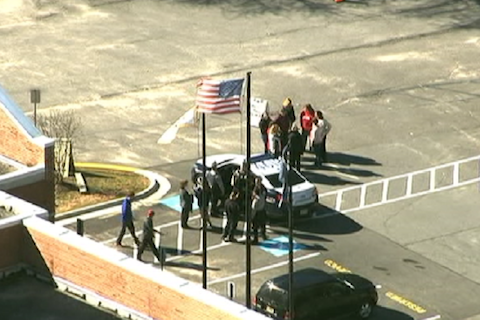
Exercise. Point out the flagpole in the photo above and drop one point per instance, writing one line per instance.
(248, 206)
(204, 205)
(290, 242)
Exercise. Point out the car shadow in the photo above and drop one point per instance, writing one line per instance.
(325, 220)
(320, 178)
(381, 313)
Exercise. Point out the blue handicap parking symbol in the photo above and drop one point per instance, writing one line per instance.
(174, 203)
(279, 246)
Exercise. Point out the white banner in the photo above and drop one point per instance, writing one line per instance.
(257, 108)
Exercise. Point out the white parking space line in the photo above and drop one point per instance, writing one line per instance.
(433, 318)
(159, 227)
(339, 198)
(217, 246)
(408, 192)
(179, 239)
(266, 268)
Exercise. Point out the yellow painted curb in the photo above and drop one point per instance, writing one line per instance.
(105, 166)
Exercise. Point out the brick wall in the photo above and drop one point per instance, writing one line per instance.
(113, 275)
(10, 245)
(16, 144)
(38, 193)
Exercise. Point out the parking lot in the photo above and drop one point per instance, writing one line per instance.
(395, 238)
(398, 80)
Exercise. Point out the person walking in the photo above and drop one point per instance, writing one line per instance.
(232, 208)
(147, 237)
(186, 202)
(296, 148)
(321, 128)
(264, 124)
(306, 121)
(203, 206)
(127, 220)
(259, 214)
(217, 189)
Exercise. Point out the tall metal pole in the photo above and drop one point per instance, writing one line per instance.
(248, 206)
(35, 113)
(290, 244)
(204, 221)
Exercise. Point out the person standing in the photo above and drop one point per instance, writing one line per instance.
(186, 202)
(232, 208)
(203, 206)
(242, 179)
(295, 144)
(321, 128)
(284, 122)
(147, 237)
(264, 124)
(275, 138)
(127, 220)
(327, 127)
(306, 121)
(259, 214)
(289, 111)
(217, 189)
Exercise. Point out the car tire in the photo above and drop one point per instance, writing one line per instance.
(195, 177)
(365, 310)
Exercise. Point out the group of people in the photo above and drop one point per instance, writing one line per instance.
(231, 197)
(281, 135)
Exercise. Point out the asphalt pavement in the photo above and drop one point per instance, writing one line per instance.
(398, 80)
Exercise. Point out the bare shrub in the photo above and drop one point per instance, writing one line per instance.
(65, 127)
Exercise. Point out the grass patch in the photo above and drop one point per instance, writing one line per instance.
(103, 185)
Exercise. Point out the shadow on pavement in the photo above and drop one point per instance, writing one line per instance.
(349, 159)
(320, 178)
(300, 235)
(381, 312)
(328, 221)
(188, 265)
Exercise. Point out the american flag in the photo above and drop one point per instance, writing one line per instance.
(219, 96)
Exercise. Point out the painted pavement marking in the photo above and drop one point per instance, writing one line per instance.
(266, 268)
(280, 246)
(392, 296)
(173, 202)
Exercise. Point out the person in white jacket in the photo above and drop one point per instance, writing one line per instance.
(321, 128)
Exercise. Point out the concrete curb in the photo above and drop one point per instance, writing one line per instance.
(158, 184)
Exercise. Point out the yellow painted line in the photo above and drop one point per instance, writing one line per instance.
(335, 266)
(105, 166)
(395, 297)
(405, 302)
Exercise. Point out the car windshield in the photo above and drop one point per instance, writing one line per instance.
(293, 177)
(271, 294)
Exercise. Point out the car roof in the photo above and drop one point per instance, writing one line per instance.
(303, 278)
(256, 160)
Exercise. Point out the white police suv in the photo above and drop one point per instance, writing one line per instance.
(304, 193)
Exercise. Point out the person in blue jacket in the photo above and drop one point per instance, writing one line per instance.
(127, 220)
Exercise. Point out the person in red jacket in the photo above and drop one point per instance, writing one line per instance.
(306, 121)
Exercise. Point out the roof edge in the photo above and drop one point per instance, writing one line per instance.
(18, 114)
